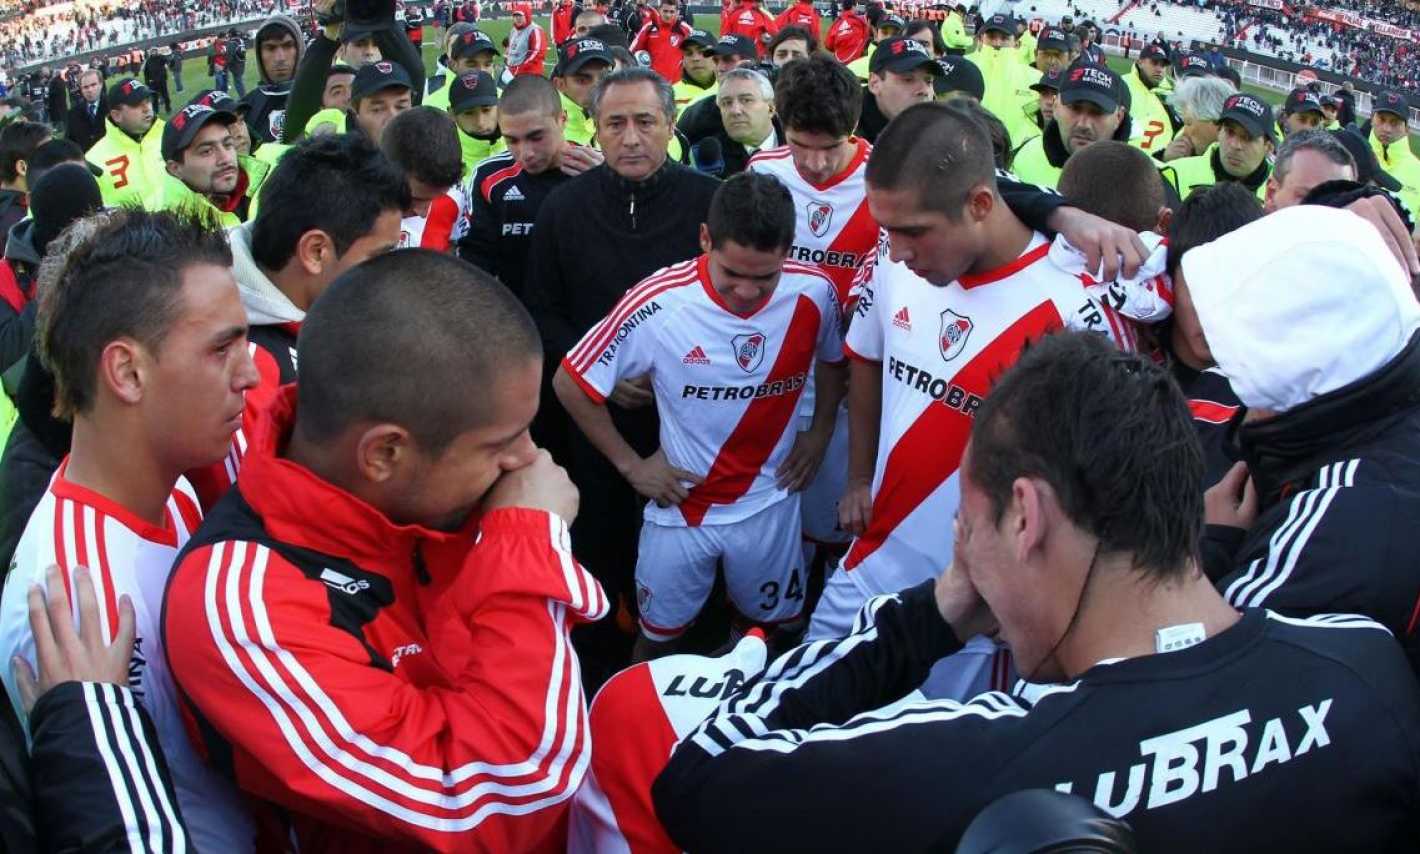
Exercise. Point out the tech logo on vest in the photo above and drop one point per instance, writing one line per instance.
(955, 331)
(749, 351)
(820, 217)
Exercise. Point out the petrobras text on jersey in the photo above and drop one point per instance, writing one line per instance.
(788, 385)
(1176, 769)
(938, 388)
(824, 257)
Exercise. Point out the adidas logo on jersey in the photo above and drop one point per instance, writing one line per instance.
(696, 357)
(513, 194)
(342, 582)
(902, 320)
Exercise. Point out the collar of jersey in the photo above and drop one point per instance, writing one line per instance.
(1213, 653)
(858, 156)
(1032, 254)
(164, 535)
(702, 270)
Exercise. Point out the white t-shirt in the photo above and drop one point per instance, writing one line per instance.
(941, 348)
(73, 526)
(726, 384)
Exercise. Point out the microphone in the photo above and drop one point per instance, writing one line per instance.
(707, 157)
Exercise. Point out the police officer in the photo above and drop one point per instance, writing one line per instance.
(1245, 140)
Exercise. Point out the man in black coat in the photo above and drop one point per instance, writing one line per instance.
(597, 236)
(85, 122)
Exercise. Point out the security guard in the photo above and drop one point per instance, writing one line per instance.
(203, 176)
(1242, 152)
(583, 62)
(130, 151)
(697, 71)
(473, 102)
(1153, 123)
(472, 51)
(1008, 78)
(1091, 107)
(1390, 140)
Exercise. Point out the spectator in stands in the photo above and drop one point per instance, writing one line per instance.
(1390, 140)
(1198, 101)
(84, 124)
(1304, 160)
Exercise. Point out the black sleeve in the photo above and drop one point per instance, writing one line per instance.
(88, 795)
(395, 46)
(700, 120)
(1220, 548)
(547, 286)
(755, 756)
(1031, 204)
(478, 244)
(307, 87)
(17, 330)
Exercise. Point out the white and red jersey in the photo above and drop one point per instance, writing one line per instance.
(833, 229)
(444, 225)
(126, 556)
(941, 348)
(726, 384)
(635, 720)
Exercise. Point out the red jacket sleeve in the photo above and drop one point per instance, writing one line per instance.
(483, 758)
(537, 54)
(639, 43)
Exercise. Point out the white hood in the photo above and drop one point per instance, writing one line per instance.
(264, 302)
(1300, 303)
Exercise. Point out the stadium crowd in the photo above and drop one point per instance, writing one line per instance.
(842, 433)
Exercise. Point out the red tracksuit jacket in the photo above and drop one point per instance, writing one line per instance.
(748, 19)
(848, 37)
(663, 43)
(376, 687)
(801, 14)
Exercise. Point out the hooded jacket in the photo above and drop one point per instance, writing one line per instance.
(527, 45)
(267, 101)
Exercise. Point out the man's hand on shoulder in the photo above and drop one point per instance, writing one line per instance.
(539, 485)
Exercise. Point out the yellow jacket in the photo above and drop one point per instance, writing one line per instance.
(954, 32)
(476, 150)
(687, 93)
(1149, 119)
(1401, 163)
(332, 116)
(581, 128)
(1033, 167)
(1008, 92)
(133, 169)
(1188, 173)
(173, 195)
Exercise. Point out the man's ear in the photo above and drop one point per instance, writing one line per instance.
(381, 450)
(315, 252)
(123, 369)
(1163, 221)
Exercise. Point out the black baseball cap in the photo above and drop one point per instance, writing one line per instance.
(578, 52)
(902, 55)
(219, 100)
(1093, 83)
(1302, 101)
(472, 89)
(959, 75)
(1049, 80)
(471, 43)
(182, 128)
(377, 77)
(128, 92)
(734, 45)
(1001, 23)
(1155, 52)
(1052, 38)
(891, 21)
(1391, 101)
(1192, 65)
(1368, 169)
(1254, 115)
(699, 37)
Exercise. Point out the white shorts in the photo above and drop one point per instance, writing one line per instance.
(819, 500)
(837, 607)
(764, 569)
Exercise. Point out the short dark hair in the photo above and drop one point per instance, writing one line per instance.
(754, 210)
(1206, 215)
(1115, 181)
(425, 143)
(818, 95)
(789, 34)
(454, 333)
(18, 141)
(1002, 152)
(125, 281)
(939, 45)
(300, 195)
(530, 93)
(941, 150)
(50, 154)
(1111, 433)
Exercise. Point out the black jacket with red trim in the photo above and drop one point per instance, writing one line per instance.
(504, 200)
(377, 687)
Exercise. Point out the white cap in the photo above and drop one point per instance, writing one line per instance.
(1300, 303)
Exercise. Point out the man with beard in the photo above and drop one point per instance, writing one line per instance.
(279, 45)
(203, 177)
(1090, 108)
(1245, 140)
(130, 152)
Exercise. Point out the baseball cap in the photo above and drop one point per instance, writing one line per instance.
(1001, 23)
(1052, 38)
(959, 75)
(458, 29)
(1254, 115)
(892, 21)
(472, 89)
(1155, 52)
(182, 128)
(471, 44)
(578, 52)
(1192, 65)
(1391, 101)
(128, 92)
(1268, 302)
(699, 37)
(901, 55)
(1302, 101)
(734, 45)
(219, 100)
(1368, 169)
(1093, 83)
(1330, 101)
(1049, 80)
(378, 76)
